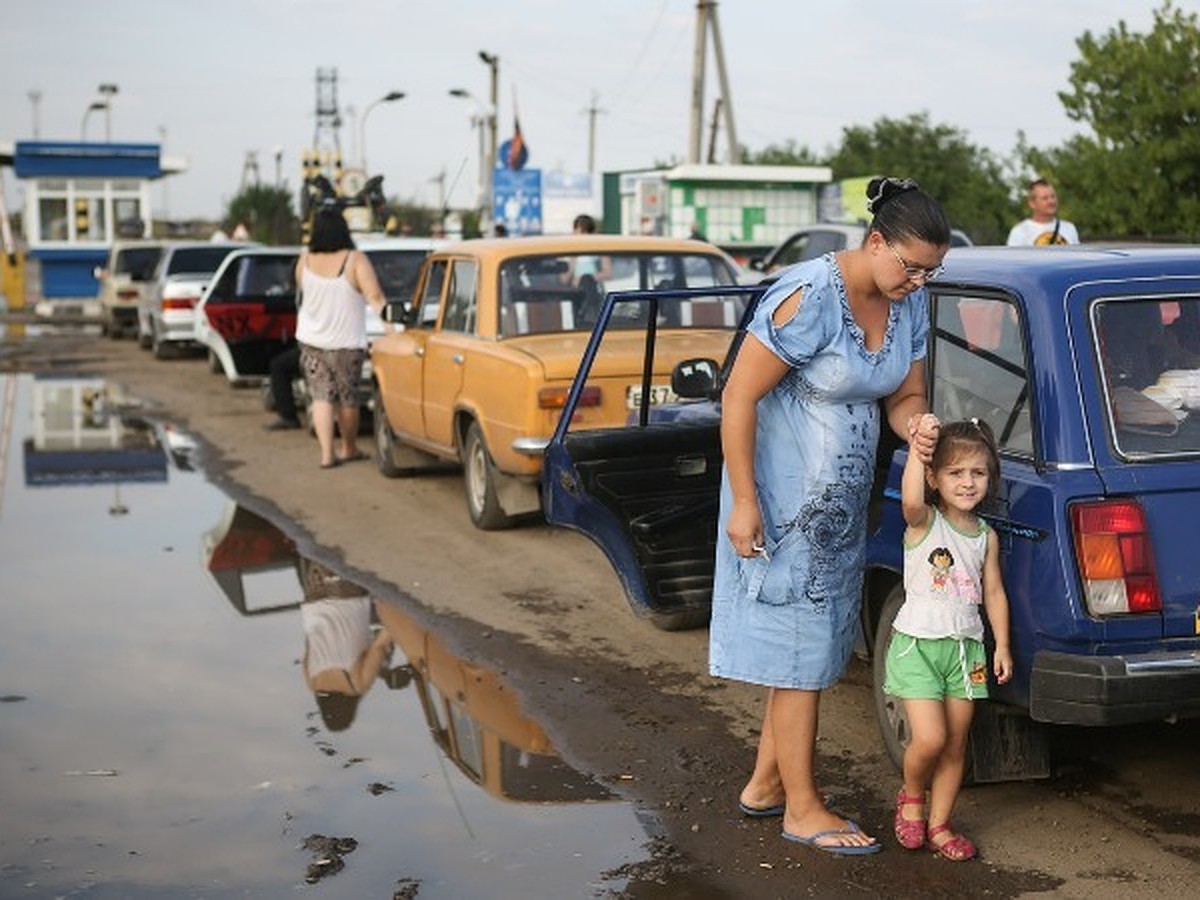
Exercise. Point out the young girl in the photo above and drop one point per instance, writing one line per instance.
(936, 661)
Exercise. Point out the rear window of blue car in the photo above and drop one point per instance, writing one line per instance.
(1149, 355)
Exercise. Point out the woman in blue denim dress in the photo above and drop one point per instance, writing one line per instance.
(800, 424)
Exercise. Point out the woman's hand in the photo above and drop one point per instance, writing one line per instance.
(745, 528)
(923, 435)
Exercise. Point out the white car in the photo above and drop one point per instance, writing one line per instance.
(816, 240)
(247, 313)
(166, 319)
(123, 282)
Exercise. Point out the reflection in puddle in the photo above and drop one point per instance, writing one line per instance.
(242, 699)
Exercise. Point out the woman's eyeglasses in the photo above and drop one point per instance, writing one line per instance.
(911, 272)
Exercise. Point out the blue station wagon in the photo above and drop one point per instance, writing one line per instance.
(1086, 363)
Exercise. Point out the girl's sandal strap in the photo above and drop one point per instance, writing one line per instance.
(956, 848)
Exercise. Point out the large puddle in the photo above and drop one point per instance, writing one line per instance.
(193, 708)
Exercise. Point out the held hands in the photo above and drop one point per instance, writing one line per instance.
(923, 435)
(1002, 665)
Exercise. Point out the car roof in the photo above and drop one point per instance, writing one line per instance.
(503, 248)
(390, 242)
(1055, 270)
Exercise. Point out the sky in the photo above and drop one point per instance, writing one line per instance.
(214, 81)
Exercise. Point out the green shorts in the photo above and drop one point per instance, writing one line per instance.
(935, 668)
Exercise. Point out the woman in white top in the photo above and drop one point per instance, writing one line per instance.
(336, 283)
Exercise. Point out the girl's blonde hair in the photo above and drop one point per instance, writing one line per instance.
(966, 436)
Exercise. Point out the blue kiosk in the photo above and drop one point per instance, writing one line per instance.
(79, 198)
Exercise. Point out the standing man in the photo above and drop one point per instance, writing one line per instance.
(1043, 228)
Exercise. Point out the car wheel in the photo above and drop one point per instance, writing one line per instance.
(385, 442)
(479, 482)
(160, 348)
(214, 362)
(144, 339)
(681, 621)
(889, 709)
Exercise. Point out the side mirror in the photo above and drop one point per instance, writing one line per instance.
(695, 379)
(397, 312)
(757, 263)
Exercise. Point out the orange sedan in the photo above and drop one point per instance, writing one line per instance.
(479, 371)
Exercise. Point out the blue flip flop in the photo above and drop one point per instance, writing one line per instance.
(836, 849)
(761, 812)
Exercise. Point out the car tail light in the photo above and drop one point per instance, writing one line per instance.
(556, 398)
(179, 302)
(128, 294)
(1115, 559)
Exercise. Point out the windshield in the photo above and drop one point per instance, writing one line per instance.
(1149, 351)
(547, 294)
(138, 262)
(397, 271)
(197, 259)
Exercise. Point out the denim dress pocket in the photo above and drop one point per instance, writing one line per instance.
(768, 579)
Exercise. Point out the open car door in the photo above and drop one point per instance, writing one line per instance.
(647, 493)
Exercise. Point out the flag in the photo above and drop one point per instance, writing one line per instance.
(518, 153)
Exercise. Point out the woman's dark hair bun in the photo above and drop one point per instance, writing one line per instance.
(881, 190)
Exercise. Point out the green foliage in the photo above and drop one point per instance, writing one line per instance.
(967, 180)
(1138, 173)
(787, 154)
(266, 211)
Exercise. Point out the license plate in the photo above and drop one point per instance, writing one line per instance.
(659, 394)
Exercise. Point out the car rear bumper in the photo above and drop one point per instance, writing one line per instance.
(1067, 689)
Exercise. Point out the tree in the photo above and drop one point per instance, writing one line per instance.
(1138, 173)
(967, 180)
(787, 154)
(266, 212)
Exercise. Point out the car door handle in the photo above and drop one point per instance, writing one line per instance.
(459, 359)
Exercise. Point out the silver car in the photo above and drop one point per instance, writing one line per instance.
(167, 311)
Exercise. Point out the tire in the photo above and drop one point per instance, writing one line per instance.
(144, 339)
(889, 710)
(479, 482)
(214, 362)
(681, 621)
(385, 442)
(161, 349)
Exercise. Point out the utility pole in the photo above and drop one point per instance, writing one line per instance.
(706, 17)
(249, 171)
(492, 61)
(712, 132)
(592, 111)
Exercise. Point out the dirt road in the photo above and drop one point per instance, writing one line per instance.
(635, 705)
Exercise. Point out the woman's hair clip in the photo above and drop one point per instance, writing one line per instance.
(975, 421)
(881, 190)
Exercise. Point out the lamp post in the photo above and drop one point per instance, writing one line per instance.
(108, 91)
(95, 105)
(389, 97)
(481, 118)
(492, 61)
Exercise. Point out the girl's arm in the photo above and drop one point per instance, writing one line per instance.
(754, 373)
(995, 603)
(912, 482)
(371, 661)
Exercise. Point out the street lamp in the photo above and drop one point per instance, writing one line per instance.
(481, 119)
(492, 61)
(108, 91)
(362, 124)
(96, 104)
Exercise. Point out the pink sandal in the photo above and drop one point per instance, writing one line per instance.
(909, 832)
(956, 848)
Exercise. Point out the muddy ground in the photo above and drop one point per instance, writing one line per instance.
(636, 707)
